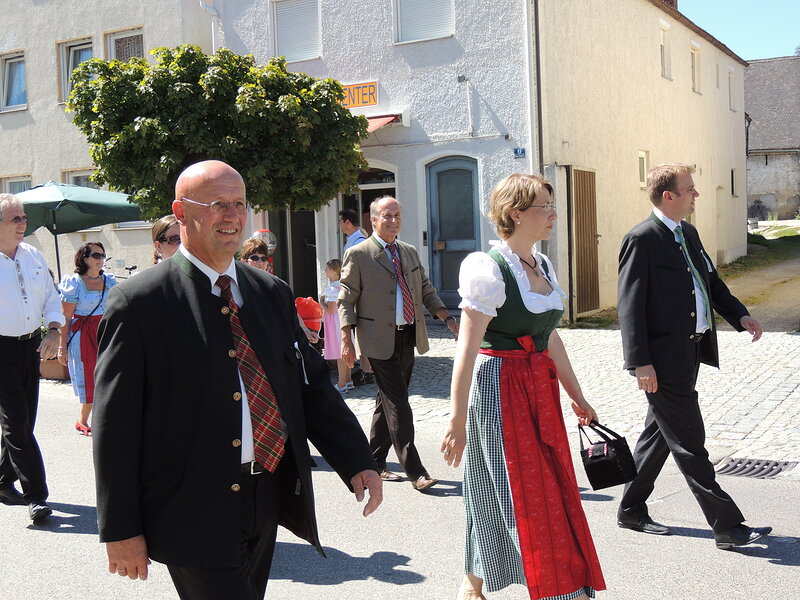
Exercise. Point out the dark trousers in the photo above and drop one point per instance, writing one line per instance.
(261, 505)
(393, 421)
(20, 457)
(674, 424)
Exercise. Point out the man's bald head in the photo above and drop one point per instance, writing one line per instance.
(201, 173)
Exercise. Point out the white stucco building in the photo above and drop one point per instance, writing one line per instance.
(460, 94)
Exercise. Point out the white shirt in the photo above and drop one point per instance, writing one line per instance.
(248, 454)
(353, 239)
(28, 295)
(398, 292)
(481, 285)
(699, 301)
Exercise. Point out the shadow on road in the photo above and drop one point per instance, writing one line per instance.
(78, 519)
(301, 563)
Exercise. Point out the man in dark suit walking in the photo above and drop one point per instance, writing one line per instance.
(383, 297)
(668, 292)
(206, 394)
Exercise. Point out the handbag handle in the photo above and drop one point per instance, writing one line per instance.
(604, 432)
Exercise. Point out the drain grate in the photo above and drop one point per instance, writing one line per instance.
(754, 467)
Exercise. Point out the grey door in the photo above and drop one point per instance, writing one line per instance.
(454, 221)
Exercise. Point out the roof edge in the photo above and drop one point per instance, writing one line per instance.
(680, 17)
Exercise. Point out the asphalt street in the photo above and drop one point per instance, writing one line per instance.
(413, 546)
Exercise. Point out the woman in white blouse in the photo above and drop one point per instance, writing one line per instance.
(525, 523)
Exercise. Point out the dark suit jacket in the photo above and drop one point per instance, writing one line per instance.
(656, 303)
(368, 297)
(167, 417)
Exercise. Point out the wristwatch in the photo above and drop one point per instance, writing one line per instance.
(58, 329)
(448, 318)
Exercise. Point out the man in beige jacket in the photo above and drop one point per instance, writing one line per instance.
(384, 291)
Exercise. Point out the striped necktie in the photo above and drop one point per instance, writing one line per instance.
(268, 439)
(695, 273)
(408, 303)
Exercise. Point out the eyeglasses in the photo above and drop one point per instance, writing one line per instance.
(97, 255)
(172, 240)
(258, 257)
(17, 220)
(217, 206)
(548, 206)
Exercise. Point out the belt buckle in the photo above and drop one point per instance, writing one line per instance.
(256, 468)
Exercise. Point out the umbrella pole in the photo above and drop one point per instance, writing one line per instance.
(58, 256)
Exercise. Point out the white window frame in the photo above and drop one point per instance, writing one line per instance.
(697, 75)
(66, 52)
(116, 35)
(448, 29)
(664, 49)
(5, 61)
(7, 181)
(313, 53)
(643, 165)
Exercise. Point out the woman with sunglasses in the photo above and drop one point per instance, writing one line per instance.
(166, 238)
(83, 299)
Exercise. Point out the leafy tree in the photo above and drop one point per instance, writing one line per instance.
(287, 133)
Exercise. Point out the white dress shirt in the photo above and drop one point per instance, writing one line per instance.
(699, 300)
(28, 295)
(398, 292)
(248, 454)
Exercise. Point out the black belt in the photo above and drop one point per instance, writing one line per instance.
(697, 337)
(253, 468)
(404, 326)
(20, 338)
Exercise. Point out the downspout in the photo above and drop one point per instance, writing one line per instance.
(214, 23)
(534, 67)
(531, 79)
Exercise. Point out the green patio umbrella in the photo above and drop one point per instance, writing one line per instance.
(64, 208)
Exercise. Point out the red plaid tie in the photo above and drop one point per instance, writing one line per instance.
(267, 433)
(408, 303)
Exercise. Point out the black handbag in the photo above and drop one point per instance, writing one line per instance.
(608, 462)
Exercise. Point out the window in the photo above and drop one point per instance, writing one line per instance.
(695, 61)
(733, 182)
(15, 185)
(717, 75)
(666, 63)
(731, 91)
(12, 84)
(297, 29)
(423, 19)
(72, 54)
(81, 178)
(125, 45)
(644, 159)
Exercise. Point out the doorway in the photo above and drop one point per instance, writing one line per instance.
(372, 184)
(295, 260)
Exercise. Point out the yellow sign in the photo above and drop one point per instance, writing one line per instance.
(357, 95)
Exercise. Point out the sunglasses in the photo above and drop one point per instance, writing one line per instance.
(173, 240)
(97, 255)
(258, 257)
(17, 220)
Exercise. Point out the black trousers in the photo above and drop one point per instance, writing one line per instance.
(261, 505)
(20, 457)
(393, 421)
(674, 425)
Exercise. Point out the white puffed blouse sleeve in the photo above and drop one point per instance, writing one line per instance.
(480, 284)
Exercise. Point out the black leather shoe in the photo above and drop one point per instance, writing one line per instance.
(741, 535)
(39, 511)
(11, 497)
(644, 524)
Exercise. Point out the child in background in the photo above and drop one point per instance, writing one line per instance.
(330, 325)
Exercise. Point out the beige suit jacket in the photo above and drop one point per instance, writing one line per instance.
(368, 297)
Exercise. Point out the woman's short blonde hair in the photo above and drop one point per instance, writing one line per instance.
(516, 192)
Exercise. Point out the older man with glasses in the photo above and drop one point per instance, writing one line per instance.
(29, 299)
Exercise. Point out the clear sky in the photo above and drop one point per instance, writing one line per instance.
(751, 28)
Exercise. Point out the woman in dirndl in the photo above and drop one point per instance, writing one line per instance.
(525, 522)
(83, 299)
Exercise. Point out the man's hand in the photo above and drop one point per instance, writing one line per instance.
(452, 325)
(752, 326)
(646, 378)
(49, 346)
(371, 481)
(311, 335)
(128, 557)
(348, 351)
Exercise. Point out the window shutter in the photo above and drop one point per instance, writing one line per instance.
(297, 29)
(424, 19)
(128, 47)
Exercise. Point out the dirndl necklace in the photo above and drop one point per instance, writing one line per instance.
(535, 272)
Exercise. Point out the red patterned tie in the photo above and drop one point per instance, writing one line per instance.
(408, 303)
(268, 437)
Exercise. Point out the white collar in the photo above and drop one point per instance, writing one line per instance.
(381, 241)
(208, 271)
(665, 219)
